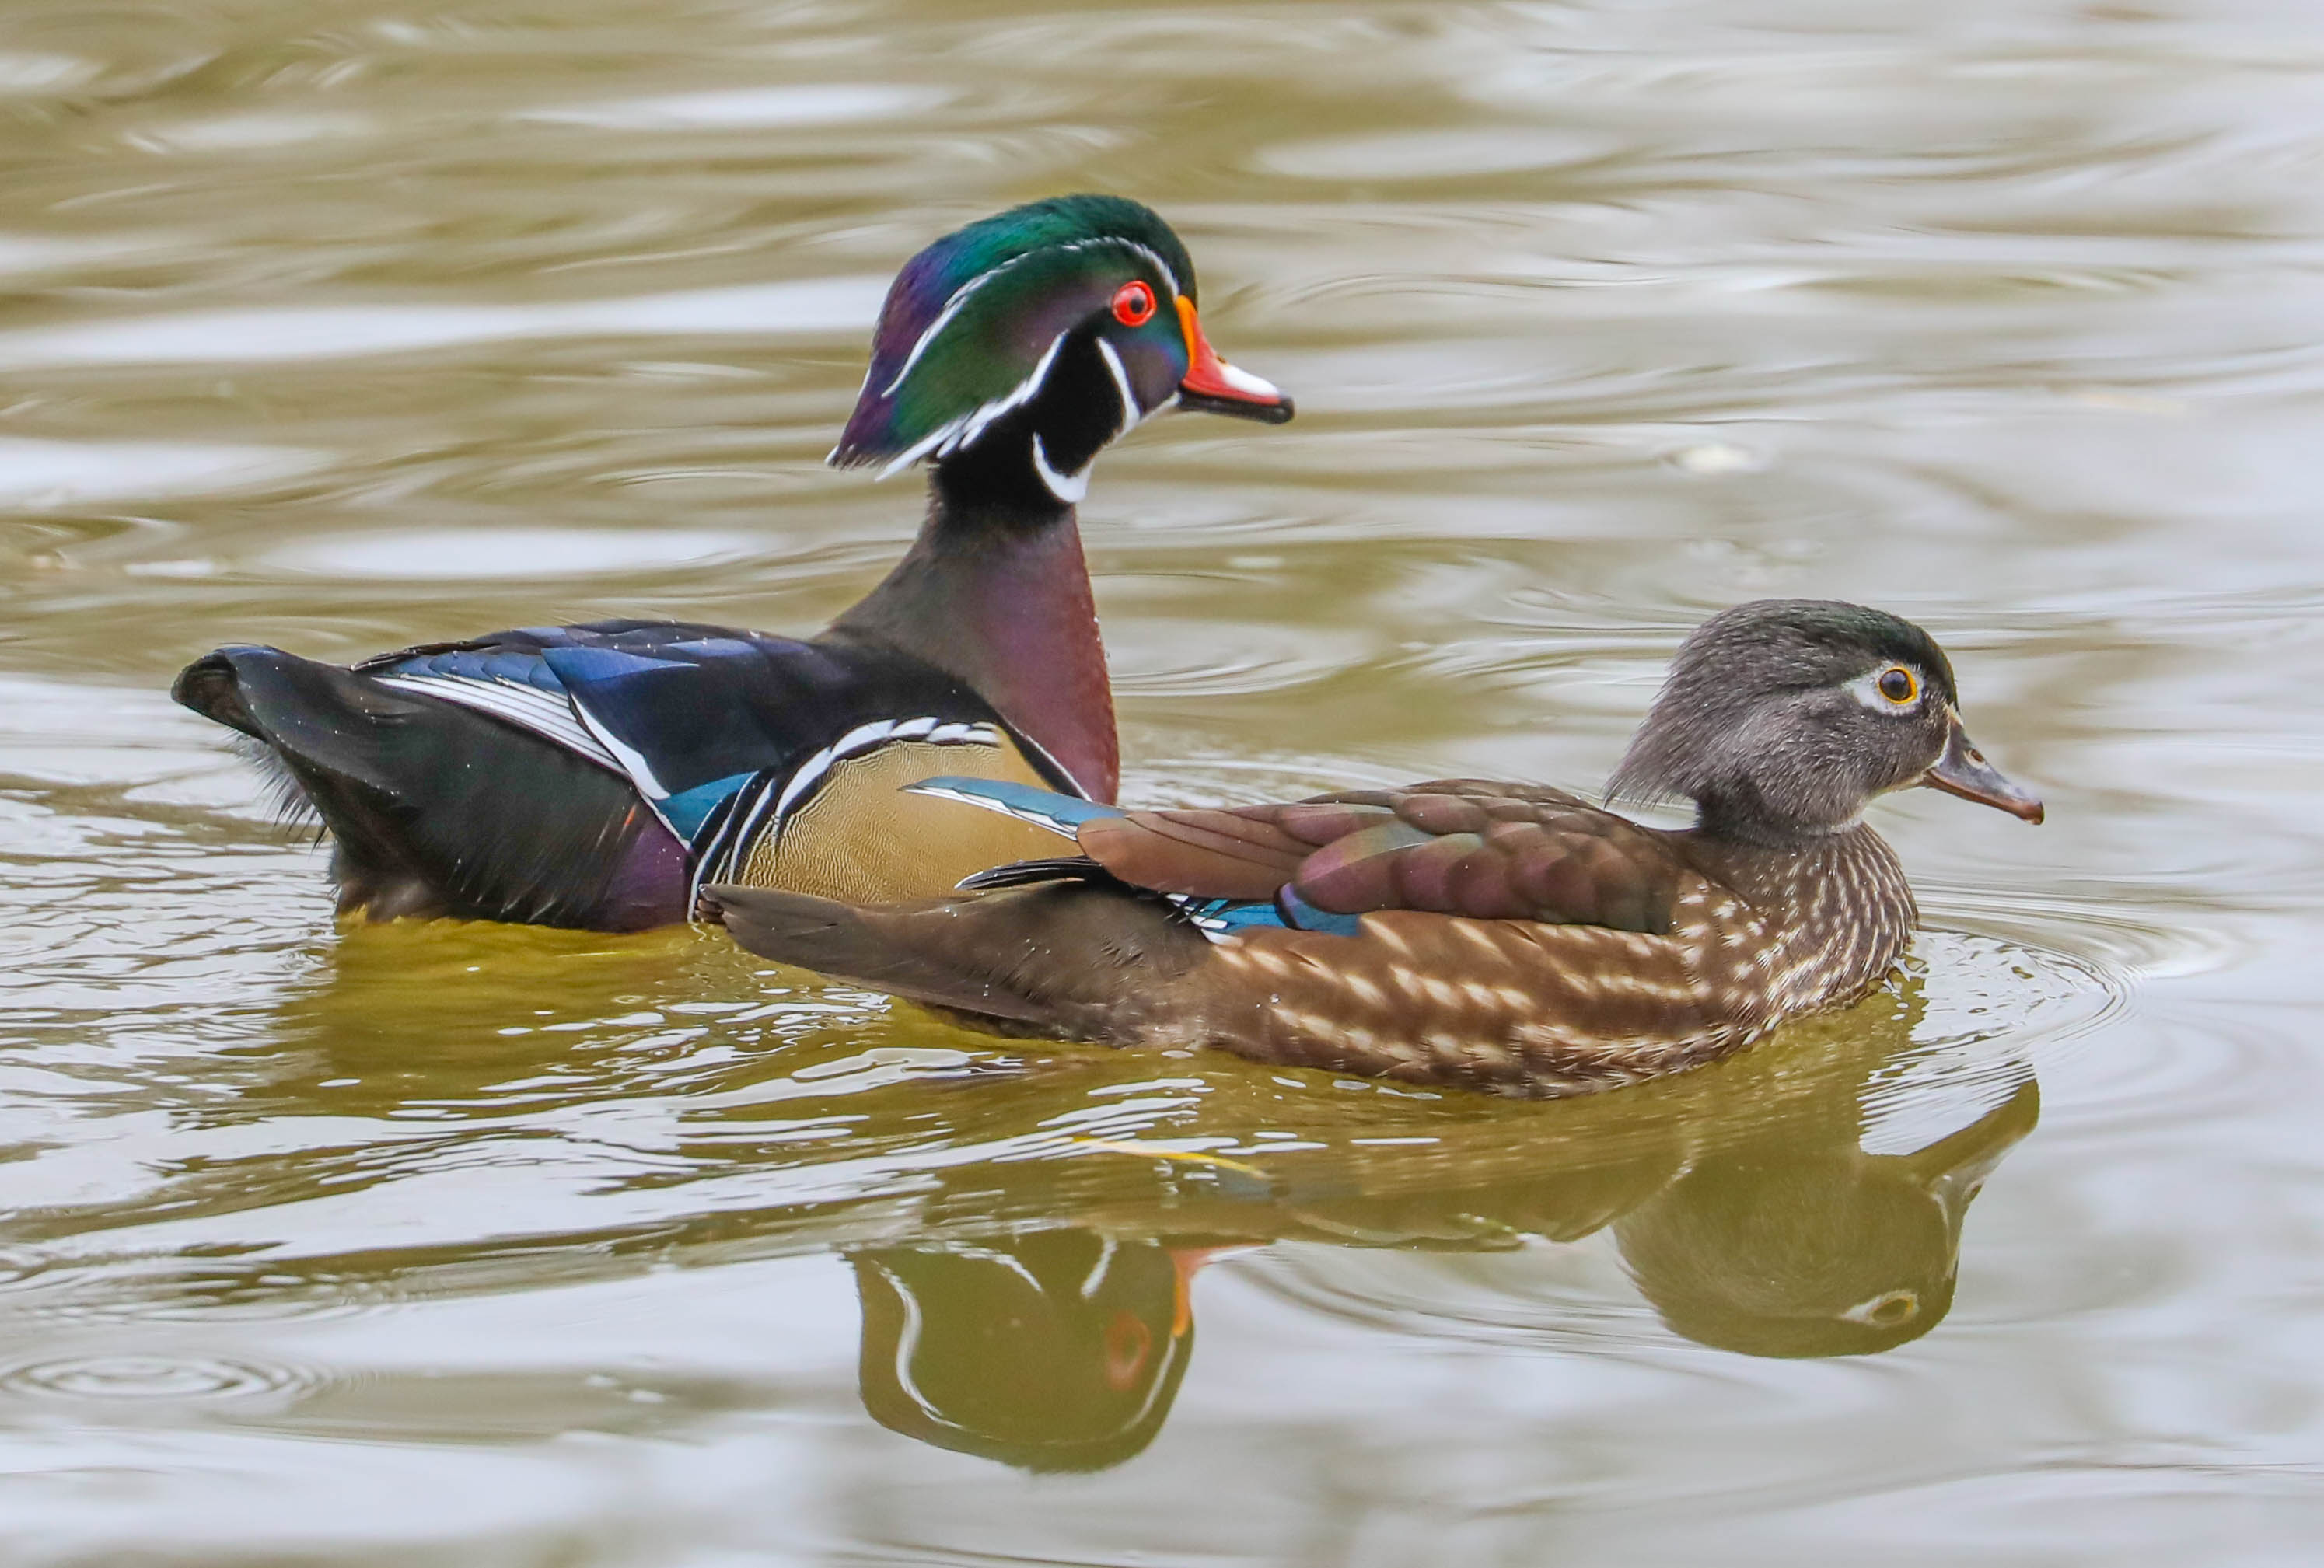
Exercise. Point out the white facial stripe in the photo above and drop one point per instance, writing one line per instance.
(960, 296)
(918, 449)
(1024, 391)
(1069, 488)
(953, 435)
(1099, 1270)
(1131, 412)
(1866, 689)
(952, 307)
(1160, 265)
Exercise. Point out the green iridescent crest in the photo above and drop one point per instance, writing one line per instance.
(969, 324)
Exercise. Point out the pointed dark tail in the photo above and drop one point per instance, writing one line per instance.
(1065, 960)
(440, 810)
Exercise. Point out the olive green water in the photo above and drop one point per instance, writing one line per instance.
(346, 326)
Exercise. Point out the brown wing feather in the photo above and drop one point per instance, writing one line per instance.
(1211, 855)
(1529, 855)
(1458, 847)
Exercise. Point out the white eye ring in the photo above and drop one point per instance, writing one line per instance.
(1884, 692)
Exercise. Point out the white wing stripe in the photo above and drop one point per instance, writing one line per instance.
(997, 807)
(544, 714)
(632, 762)
(869, 737)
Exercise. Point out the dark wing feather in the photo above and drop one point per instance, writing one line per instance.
(1025, 874)
(700, 717)
(1466, 847)
(705, 704)
(442, 807)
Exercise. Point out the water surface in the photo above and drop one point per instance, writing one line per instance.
(345, 327)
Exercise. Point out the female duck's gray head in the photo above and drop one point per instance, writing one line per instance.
(1785, 717)
(1025, 342)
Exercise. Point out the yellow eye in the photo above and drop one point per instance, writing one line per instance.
(1898, 684)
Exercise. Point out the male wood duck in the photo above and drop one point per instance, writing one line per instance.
(1053, 1350)
(593, 776)
(1504, 937)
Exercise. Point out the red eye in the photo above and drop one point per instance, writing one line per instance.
(1126, 1340)
(1133, 304)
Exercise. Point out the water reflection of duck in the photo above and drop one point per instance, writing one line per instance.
(1744, 1201)
(1802, 1246)
(1057, 1349)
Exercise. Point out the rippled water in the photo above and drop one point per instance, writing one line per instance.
(347, 325)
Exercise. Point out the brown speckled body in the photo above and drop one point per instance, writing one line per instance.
(1737, 937)
(1530, 1007)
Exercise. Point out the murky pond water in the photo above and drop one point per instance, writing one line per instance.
(347, 325)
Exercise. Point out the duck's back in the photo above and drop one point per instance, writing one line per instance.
(589, 775)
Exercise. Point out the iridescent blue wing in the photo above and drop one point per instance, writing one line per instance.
(695, 716)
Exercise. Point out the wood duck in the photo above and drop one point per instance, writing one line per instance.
(1055, 1349)
(593, 776)
(1504, 937)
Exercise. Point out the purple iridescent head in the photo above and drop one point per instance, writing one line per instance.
(1056, 326)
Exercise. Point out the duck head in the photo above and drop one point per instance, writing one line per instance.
(1782, 719)
(1053, 1350)
(1011, 351)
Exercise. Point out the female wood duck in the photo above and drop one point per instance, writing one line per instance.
(594, 776)
(1499, 935)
